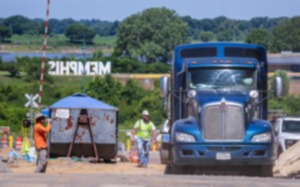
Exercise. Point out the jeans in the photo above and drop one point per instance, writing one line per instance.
(143, 147)
(41, 161)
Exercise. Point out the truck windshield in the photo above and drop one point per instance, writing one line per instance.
(291, 126)
(214, 78)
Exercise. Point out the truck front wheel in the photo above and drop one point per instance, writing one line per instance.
(267, 171)
(174, 169)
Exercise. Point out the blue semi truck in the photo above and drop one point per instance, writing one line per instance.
(217, 100)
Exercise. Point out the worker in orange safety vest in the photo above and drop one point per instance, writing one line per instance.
(40, 139)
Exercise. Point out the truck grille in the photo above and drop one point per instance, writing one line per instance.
(223, 122)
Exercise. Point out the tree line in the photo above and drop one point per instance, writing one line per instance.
(152, 34)
(219, 26)
(19, 24)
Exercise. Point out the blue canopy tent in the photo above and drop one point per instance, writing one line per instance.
(80, 100)
(46, 112)
(83, 126)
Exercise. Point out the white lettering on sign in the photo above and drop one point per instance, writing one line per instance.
(76, 68)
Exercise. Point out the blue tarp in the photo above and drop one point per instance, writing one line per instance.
(46, 112)
(80, 100)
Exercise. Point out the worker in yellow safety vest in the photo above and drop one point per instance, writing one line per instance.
(143, 132)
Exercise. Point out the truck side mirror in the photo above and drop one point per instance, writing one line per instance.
(164, 86)
(278, 87)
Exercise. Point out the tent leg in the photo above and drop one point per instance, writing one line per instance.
(94, 144)
(71, 144)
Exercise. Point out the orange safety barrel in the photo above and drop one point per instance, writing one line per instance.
(4, 142)
(18, 143)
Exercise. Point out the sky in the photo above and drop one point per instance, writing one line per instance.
(112, 10)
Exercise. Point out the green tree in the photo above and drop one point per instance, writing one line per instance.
(224, 36)
(58, 26)
(32, 68)
(289, 104)
(259, 36)
(132, 92)
(153, 104)
(206, 36)
(79, 32)
(5, 32)
(286, 36)
(151, 35)
(22, 25)
(106, 89)
(1, 63)
(12, 68)
(11, 116)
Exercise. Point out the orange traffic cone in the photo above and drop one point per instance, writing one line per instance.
(131, 155)
(135, 157)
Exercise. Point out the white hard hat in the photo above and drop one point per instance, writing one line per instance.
(39, 115)
(145, 113)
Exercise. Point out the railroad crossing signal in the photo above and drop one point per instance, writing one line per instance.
(31, 102)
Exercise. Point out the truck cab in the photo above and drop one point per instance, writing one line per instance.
(218, 107)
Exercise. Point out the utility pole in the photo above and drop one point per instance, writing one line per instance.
(84, 70)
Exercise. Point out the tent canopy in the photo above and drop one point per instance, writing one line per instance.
(46, 112)
(80, 100)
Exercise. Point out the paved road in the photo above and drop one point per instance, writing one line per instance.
(138, 180)
(142, 179)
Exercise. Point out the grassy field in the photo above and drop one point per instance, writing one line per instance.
(55, 43)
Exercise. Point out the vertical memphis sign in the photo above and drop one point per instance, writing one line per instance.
(77, 68)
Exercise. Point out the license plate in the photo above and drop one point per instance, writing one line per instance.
(223, 156)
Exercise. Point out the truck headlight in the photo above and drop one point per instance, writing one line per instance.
(184, 137)
(263, 137)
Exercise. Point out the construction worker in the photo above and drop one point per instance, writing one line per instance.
(142, 131)
(40, 139)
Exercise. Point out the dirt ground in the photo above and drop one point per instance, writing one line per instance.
(287, 165)
(71, 166)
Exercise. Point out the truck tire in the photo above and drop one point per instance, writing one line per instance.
(253, 171)
(173, 169)
(177, 169)
(168, 169)
(267, 171)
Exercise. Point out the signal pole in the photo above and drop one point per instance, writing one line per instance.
(84, 70)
